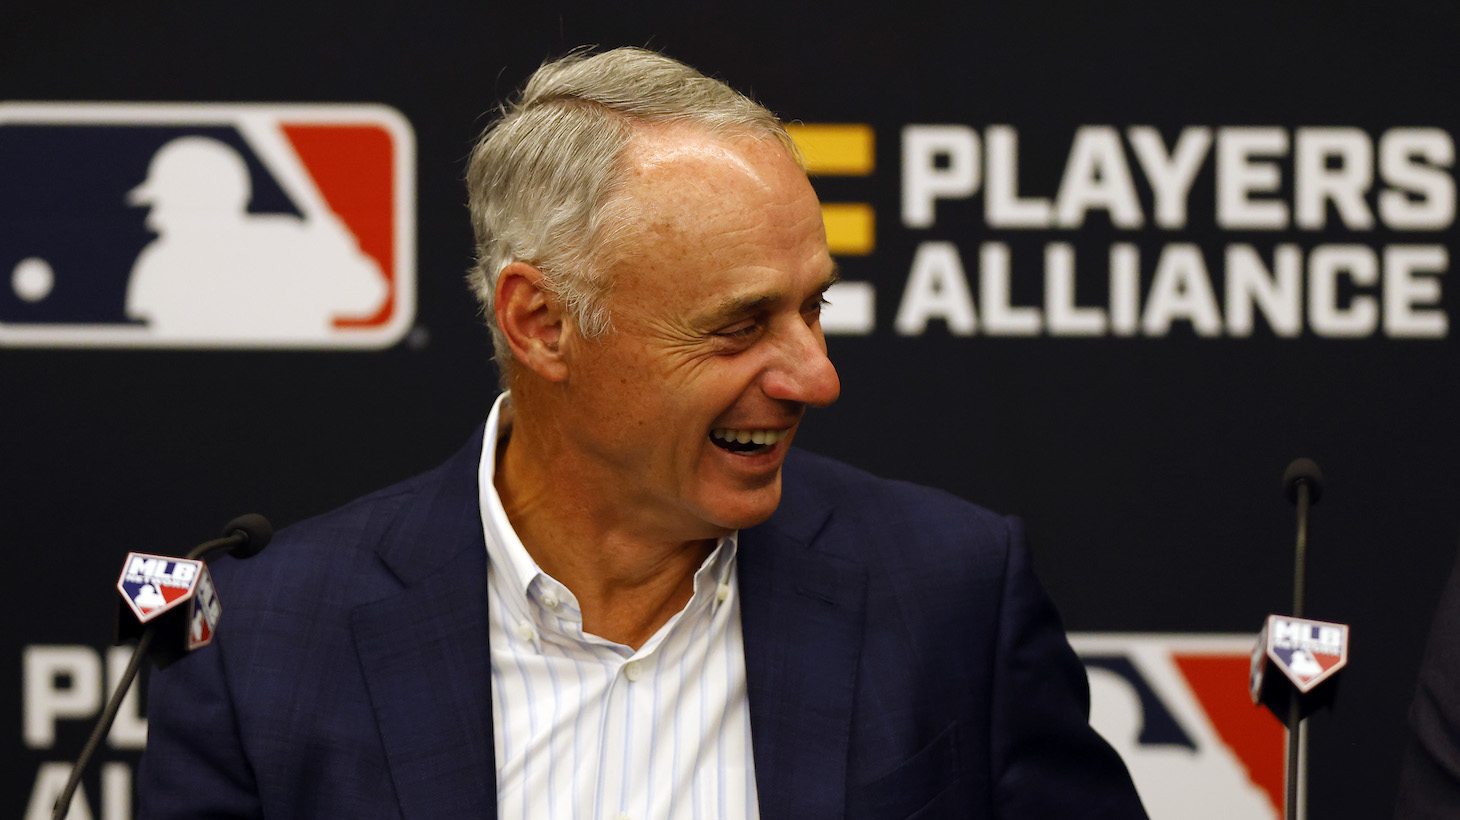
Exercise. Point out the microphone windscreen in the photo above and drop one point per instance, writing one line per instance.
(1303, 469)
(255, 528)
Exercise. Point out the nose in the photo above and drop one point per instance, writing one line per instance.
(802, 372)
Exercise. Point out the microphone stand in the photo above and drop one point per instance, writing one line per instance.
(1303, 485)
(204, 551)
(104, 724)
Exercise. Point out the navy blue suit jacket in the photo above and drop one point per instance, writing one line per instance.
(901, 659)
(1429, 782)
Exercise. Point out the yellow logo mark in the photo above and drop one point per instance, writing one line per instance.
(851, 227)
(835, 150)
(841, 150)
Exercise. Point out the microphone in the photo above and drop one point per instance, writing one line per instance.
(243, 537)
(1303, 471)
(173, 597)
(1305, 653)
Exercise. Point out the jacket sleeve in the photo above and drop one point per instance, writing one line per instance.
(1047, 760)
(194, 764)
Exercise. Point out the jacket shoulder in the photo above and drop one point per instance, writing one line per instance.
(344, 552)
(812, 478)
(892, 522)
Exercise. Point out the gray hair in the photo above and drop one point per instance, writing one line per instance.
(543, 177)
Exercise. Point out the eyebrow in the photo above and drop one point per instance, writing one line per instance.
(750, 303)
(832, 278)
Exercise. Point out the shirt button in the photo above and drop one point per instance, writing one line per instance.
(633, 670)
(723, 592)
(525, 631)
(550, 600)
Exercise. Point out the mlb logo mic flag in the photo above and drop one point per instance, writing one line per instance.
(154, 585)
(206, 225)
(1306, 652)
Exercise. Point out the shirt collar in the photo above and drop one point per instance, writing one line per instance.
(504, 549)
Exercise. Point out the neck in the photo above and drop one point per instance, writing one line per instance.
(628, 581)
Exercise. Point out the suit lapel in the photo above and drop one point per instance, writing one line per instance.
(802, 610)
(424, 651)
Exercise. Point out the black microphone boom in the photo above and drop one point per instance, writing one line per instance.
(1303, 485)
(244, 537)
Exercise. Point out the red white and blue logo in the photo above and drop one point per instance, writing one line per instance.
(1307, 652)
(204, 612)
(1175, 706)
(206, 226)
(152, 585)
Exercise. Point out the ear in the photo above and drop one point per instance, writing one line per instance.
(532, 320)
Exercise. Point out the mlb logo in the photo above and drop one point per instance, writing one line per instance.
(1308, 652)
(1175, 706)
(154, 584)
(206, 226)
(205, 613)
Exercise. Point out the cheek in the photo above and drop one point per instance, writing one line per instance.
(615, 371)
(704, 383)
(676, 390)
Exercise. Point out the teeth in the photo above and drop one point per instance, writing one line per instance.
(748, 436)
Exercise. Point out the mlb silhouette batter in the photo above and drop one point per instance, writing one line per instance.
(218, 273)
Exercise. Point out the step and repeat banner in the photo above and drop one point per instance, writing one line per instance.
(1109, 269)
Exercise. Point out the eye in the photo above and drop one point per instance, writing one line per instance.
(814, 307)
(740, 330)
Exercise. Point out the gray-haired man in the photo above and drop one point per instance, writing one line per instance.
(626, 597)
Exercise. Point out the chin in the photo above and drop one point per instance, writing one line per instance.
(749, 507)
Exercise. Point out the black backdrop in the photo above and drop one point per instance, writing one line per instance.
(1147, 466)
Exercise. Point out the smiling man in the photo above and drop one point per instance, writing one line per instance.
(627, 597)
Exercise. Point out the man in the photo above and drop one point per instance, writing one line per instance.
(625, 597)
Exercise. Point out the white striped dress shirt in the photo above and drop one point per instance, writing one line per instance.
(588, 729)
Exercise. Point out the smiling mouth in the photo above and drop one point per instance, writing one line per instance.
(746, 442)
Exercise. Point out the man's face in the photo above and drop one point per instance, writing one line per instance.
(717, 336)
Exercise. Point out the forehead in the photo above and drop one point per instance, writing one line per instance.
(680, 161)
(713, 207)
